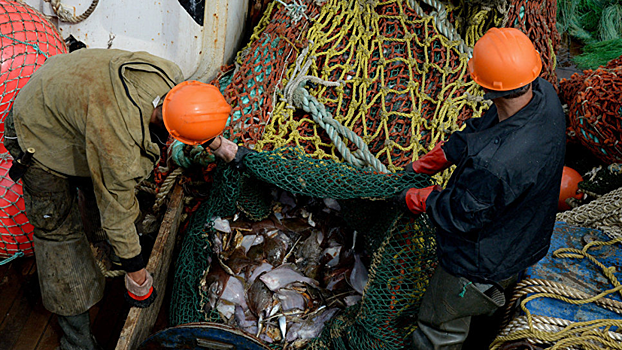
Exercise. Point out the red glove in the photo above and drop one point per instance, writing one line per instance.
(416, 198)
(433, 162)
(140, 295)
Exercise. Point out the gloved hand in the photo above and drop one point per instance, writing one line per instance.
(140, 295)
(414, 199)
(223, 148)
(431, 163)
(238, 161)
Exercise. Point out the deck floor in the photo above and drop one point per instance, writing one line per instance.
(26, 325)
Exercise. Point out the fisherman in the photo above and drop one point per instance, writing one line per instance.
(84, 131)
(496, 215)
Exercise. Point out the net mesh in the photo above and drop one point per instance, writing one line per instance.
(337, 96)
(595, 110)
(27, 39)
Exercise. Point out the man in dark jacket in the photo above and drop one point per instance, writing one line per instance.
(496, 215)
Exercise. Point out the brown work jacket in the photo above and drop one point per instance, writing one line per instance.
(87, 114)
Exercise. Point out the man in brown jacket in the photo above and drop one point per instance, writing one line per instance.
(84, 118)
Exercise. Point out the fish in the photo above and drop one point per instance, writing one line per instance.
(291, 299)
(254, 273)
(358, 276)
(283, 276)
(259, 297)
(234, 292)
(237, 260)
(311, 326)
(275, 249)
(251, 240)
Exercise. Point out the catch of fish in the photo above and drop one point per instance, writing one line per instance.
(283, 278)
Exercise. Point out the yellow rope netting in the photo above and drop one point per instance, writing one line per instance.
(597, 334)
(392, 79)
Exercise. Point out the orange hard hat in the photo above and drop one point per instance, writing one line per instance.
(504, 59)
(569, 187)
(195, 112)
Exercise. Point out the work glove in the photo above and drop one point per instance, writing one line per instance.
(431, 163)
(226, 150)
(238, 161)
(414, 199)
(140, 295)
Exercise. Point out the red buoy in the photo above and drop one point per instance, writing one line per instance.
(27, 39)
(569, 187)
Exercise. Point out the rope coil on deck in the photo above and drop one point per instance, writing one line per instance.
(604, 213)
(564, 334)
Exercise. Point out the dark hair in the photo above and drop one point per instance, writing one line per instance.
(518, 92)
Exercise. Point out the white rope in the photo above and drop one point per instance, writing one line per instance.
(297, 96)
(442, 24)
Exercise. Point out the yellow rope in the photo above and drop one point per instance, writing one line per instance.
(589, 335)
(353, 34)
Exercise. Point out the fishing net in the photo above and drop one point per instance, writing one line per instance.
(336, 97)
(596, 23)
(27, 39)
(598, 54)
(595, 110)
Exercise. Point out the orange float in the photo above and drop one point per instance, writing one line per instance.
(27, 39)
(569, 187)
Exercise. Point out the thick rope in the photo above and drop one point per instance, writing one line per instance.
(297, 95)
(109, 273)
(553, 325)
(442, 24)
(66, 16)
(530, 286)
(604, 213)
(590, 334)
(165, 189)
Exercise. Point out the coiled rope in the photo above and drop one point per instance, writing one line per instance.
(563, 333)
(66, 16)
(604, 213)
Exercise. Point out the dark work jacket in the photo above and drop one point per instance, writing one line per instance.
(496, 215)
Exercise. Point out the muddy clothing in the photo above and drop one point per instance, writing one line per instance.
(496, 215)
(87, 114)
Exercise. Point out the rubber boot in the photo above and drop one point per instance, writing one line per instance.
(447, 307)
(71, 282)
(77, 333)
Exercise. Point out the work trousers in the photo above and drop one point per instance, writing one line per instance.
(71, 282)
(447, 307)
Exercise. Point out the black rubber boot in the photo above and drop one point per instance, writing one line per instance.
(77, 333)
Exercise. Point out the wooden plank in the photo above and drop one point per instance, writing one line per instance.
(139, 322)
(37, 320)
(12, 277)
(20, 310)
(50, 340)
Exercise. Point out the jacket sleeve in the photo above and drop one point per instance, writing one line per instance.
(116, 166)
(455, 148)
(470, 204)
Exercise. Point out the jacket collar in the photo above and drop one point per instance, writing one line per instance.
(491, 128)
